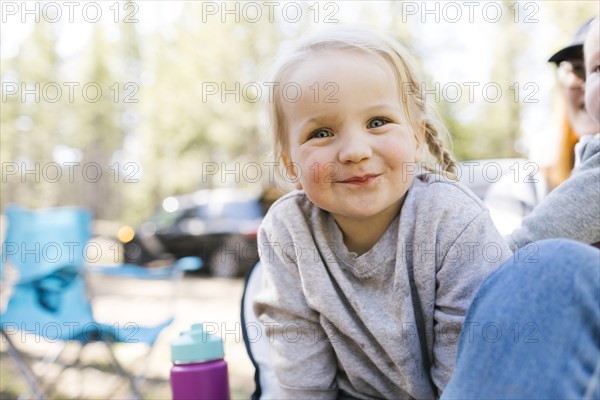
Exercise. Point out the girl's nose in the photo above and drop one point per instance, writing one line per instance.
(354, 148)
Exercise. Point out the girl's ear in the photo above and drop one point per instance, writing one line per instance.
(292, 172)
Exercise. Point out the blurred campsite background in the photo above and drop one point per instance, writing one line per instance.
(122, 106)
(117, 106)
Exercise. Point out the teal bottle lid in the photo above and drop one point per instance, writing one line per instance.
(195, 346)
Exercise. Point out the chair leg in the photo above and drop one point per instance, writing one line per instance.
(121, 371)
(51, 357)
(147, 360)
(25, 371)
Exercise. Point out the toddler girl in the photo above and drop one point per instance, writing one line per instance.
(371, 264)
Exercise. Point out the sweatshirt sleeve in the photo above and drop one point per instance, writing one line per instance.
(475, 253)
(570, 211)
(303, 357)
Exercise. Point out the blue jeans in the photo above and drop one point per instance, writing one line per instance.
(533, 330)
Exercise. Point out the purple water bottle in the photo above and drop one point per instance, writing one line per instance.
(199, 371)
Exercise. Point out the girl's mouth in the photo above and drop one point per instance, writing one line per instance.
(360, 179)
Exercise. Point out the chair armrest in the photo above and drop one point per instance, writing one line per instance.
(189, 263)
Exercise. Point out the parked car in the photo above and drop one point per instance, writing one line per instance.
(218, 225)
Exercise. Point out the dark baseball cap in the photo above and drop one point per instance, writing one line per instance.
(575, 48)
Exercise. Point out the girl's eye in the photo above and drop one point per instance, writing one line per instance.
(321, 133)
(376, 123)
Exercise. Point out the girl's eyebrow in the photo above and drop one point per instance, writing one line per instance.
(320, 120)
(382, 106)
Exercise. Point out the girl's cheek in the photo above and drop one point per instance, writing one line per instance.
(322, 172)
(318, 167)
(309, 166)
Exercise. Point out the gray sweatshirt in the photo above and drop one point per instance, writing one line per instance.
(572, 210)
(384, 324)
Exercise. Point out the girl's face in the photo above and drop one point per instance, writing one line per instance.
(353, 150)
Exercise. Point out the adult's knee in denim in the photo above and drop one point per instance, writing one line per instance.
(541, 269)
(552, 256)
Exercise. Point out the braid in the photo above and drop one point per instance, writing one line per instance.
(436, 148)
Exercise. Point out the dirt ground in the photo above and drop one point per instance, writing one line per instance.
(213, 301)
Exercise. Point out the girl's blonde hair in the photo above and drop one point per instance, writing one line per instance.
(420, 115)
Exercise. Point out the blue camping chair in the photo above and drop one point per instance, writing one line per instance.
(45, 250)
